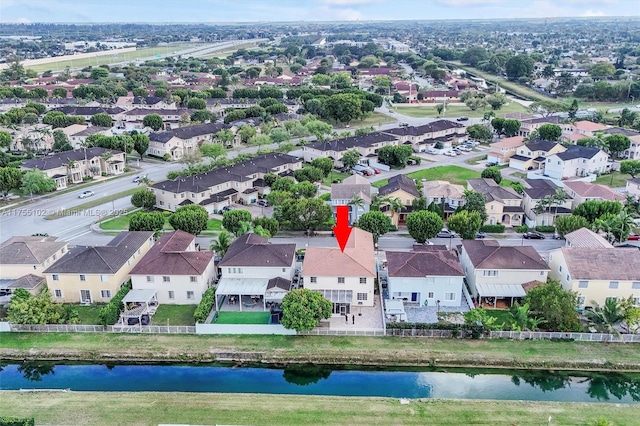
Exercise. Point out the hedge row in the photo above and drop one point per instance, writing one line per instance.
(110, 314)
(17, 421)
(546, 228)
(206, 304)
(522, 229)
(493, 229)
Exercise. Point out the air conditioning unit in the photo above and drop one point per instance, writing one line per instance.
(359, 303)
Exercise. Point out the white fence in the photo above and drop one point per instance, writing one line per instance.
(583, 337)
(243, 329)
(82, 328)
(346, 332)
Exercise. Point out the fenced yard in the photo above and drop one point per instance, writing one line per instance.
(174, 315)
(231, 317)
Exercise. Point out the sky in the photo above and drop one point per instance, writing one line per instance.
(93, 11)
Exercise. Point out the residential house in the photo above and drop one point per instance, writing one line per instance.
(496, 272)
(585, 238)
(581, 191)
(175, 269)
(403, 188)
(447, 195)
(220, 187)
(177, 142)
(153, 102)
(346, 278)
(73, 166)
(367, 145)
(22, 255)
(252, 268)
(132, 119)
(633, 153)
(429, 277)
(528, 126)
(218, 106)
(423, 137)
(633, 187)
(577, 161)
(342, 194)
(33, 284)
(587, 128)
(31, 138)
(503, 204)
(502, 151)
(533, 155)
(597, 274)
(537, 190)
(79, 139)
(441, 96)
(89, 111)
(94, 274)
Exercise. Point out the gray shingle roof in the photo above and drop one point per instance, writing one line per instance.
(596, 263)
(188, 132)
(62, 158)
(423, 263)
(577, 151)
(345, 144)
(540, 145)
(492, 191)
(254, 250)
(490, 255)
(540, 188)
(400, 182)
(29, 250)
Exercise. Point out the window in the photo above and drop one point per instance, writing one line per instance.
(55, 277)
(449, 296)
(541, 273)
(149, 278)
(363, 280)
(487, 273)
(171, 295)
(57, 293)
(55, 256)
(340, 280)
(560, 268)
(430, 295)
(190, 295)
(568, 277)
(635, 285)
(636, 301)
(166, 279)
(104, 278)
(83, 277)
(313, 279)
(583, 284)
(284, 269)
(581, 300)
(362, 296)
(613, 284)
(105, 294)
(194, 279)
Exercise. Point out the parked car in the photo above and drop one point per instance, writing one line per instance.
(376, 171)
(263, 203)
(491, 163)
(86, 194)
(533, 235)
(450, 153)
(480, 234)
(445, 233)
(432, 151)
(404, 124)
(138, 178)
(633, 237)
(463, 119)
(226, 209)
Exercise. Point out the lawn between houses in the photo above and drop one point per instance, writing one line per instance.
(99, 408)
(337, 350)
(452, 174)
(121, 223)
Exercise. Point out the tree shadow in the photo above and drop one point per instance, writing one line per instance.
(307, 374)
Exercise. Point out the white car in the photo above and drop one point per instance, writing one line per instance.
(450, 153)
(86, 194)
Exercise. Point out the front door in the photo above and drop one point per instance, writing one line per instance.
(343, 309)
(414, 297)
(85, 296)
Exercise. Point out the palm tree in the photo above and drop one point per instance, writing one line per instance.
(624, 224)
(357, 202)
(557, 199)
(605, 318)
(607, 224)
(221, 245)
(395, 205)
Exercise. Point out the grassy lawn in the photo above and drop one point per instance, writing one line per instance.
(520, 175)
(214, 225)
(502, 315)
(619, 180)
(174, 315)
(333, 176)
(88, 314)
(325, 197)
(380, 183)
(100, 408)
(325, 349)
(476, 160)
(429, 110)
(227, 317)
(122, 223)
(453, 174)
(93, 203)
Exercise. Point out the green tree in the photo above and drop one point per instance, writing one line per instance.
(395, 155)
(555, 306)
(511, 127)
(474, 55)
(375, 222)
(222, 243)
(568, 224)
(594, 209)
(498, 124)
(306, 213)
(519, 66)
(144, 198)
(423, 225)
(573, 109)
(5, 139)
(482, 317)
(267, 223)
(60, 142)
(147, 221)
(154, 121)
(606, 318)
(475, 202)
(318, 128)
(225, 136)
(192, 219)
(259, 141)
(630, 167)
(550, 132)
(278, 135)
(213, 150)
(616, 144)
(36, 182)
(140, 143)
(350, 158)
(202, 115)
(343, 107)
(27, 309)
(98, 73)
(102, 120)
(627, 118)
(631, 314)
(521, 319)
(282, 184)
(277, 198)
(196, 103)
(246, 132)
(59, 92)
(465, 223)
(324, 164)
(496, 101)
(231, 220)
(308, 173)
(480, 132)
(10, 179)
(304, 189)
(303, 309)
(492, 173)
(602, 69)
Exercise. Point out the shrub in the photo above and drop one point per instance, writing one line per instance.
(522, 229)
(126, 169)
(546, 228)
(493, 229)
(110, 314)
(103, 174)
(17, 421)
(87, 178)
(166, 157)
(206, 304)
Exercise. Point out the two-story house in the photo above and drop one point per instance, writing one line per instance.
(633, 152)
(428, 277)
(249, 269)
(367, 145)
(503, 204)
(183, 140)
(175, 269)
(423, 137)
(502, 151)
(78, 139)
(87, 112)
(94, 274)
(220, 187)
(577, 161)
(73, 166)
(404, 189)
(597, 274)
(533, 155)
(580, 192)
(538, 212)
(349, 284)
(447, 195)
(633, 187)
(132, 119)
(529, 125)
(496, 272)
(355, 192)
(585, 238)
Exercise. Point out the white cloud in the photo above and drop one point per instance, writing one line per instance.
(592, 13)
(23, 21)
(349, 2)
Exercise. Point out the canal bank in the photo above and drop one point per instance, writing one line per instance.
(326, 350)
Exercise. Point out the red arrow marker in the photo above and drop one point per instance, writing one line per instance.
(342, 228)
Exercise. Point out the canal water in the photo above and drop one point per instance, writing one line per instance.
(322, 380)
